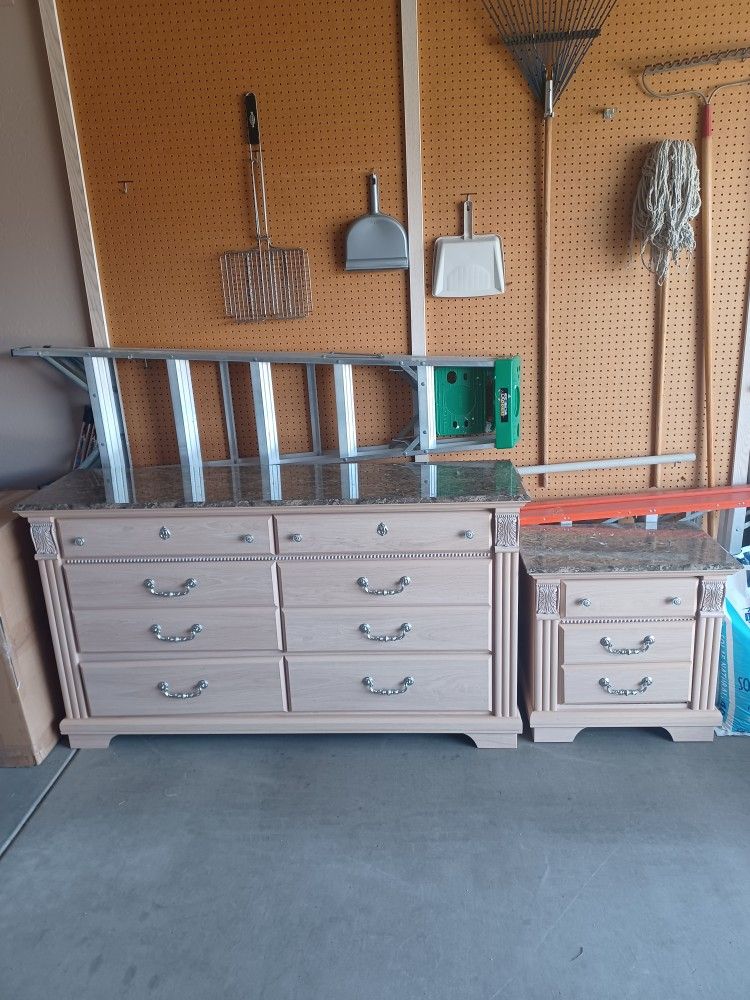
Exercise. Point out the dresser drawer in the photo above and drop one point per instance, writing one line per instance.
(118, 631)
(672, 642)
(429, 629)
(668, 683)
(462, 531)
(184, 585)
(390, 583)
(440, 683)
(660, 597)
(165, 535)
(231, 686)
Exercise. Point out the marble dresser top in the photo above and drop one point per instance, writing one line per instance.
(556, 551)
(283, 486)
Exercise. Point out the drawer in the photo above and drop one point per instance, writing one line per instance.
(669, 683)
(653, 597)
(118, 631)
(232, 686)
(463, 531)
(361, 582)
(672, 642)
(208, 584)
(440, 683)
(165, 535)
(430, 629)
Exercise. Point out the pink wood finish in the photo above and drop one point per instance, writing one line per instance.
(224, 629)
(462, 562)
(384, 531)
(441, 683)
(247, 685)
(651, 598)
(562, 688)
(670, 684)
(219, 584)
(338, 629)
(139, 534)
(431, 581)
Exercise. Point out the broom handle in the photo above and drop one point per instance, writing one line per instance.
(707, 180)
(661, 353)
(546, 296)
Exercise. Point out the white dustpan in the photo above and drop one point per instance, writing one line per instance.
(467, 266)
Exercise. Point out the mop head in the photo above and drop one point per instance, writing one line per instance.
(667, 201)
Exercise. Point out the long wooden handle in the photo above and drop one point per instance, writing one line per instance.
(660, 370)
(545, 325)
(707, 181)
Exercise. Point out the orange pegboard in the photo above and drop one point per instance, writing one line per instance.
(157, 93)
(603, 301)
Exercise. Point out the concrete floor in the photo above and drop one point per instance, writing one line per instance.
(384, 868)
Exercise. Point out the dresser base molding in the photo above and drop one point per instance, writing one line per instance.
(486, 732)
(563, 725)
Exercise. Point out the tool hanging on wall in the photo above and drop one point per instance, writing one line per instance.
(548, 41)
(667, 200)
(468, 266)
(266, 282)
(705, 97)
(376, 241)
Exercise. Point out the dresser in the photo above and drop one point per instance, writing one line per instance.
(379, 597)
(623, 628)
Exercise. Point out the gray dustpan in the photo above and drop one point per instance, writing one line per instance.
(376, 242)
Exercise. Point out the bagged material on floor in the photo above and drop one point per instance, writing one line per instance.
(733, 692)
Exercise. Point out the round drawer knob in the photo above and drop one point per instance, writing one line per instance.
(382, 529)
(296, 537)
(247, 538)
(79, 541)
(469, 534)
(585, 602)
(677, 601)
(165, 533)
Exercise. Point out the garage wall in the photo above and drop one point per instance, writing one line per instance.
(41, 288)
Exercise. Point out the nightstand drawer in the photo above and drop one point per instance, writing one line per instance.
(157, 586)
(387, 583)
(629, 683)
(165, 535)
(417, 683)
(378, 629)
(196, 630)
(207, 687)
(646, 642)
(660, 597)
(384, 531)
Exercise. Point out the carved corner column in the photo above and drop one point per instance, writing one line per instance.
(61, 625)
(707, 643)
(505, 627)
(547, 605)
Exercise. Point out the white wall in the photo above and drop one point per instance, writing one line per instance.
(41, 289)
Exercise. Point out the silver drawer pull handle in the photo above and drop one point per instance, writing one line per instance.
(585, 602)
(406, 683)
(194, 692)
(296, 537)
(468, 534)
(79, 541)
(646, 643)
(150, 586)
(165, 533)
(643, 684)
(382, 529)
(365, 630)
(677, 601)
(247, 538)
(191, 634)
(399, 589)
